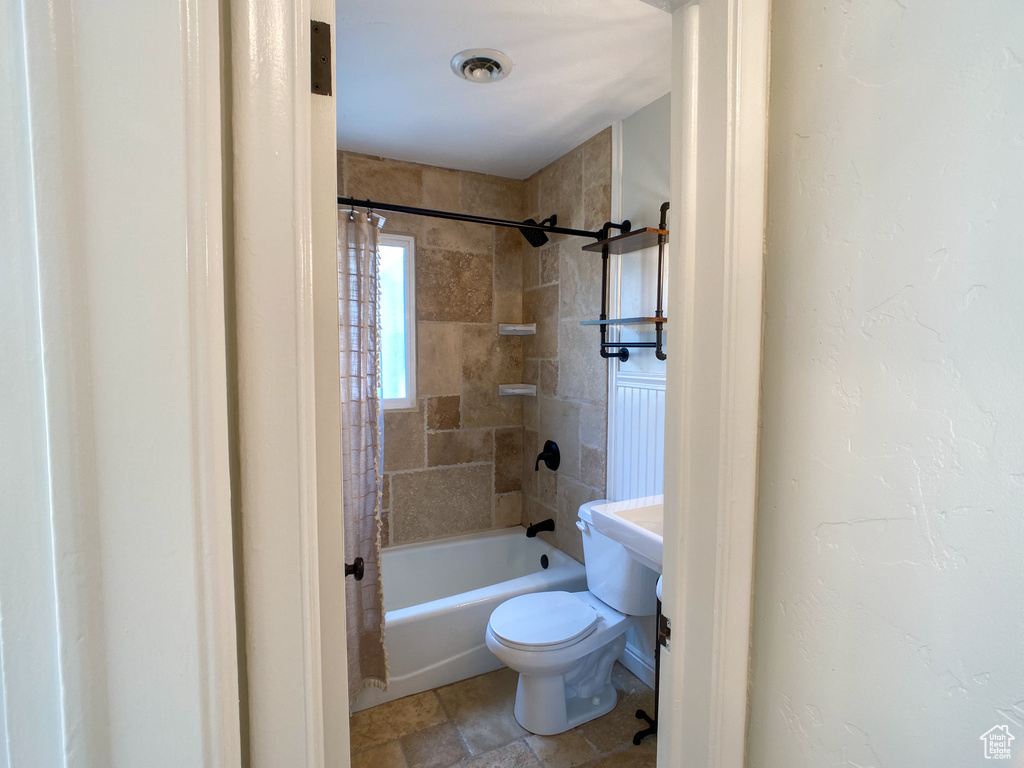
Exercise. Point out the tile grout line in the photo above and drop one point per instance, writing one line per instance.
(455, 725)
(533, 752)
(401, 751)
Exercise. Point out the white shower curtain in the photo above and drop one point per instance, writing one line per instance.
(362, 444)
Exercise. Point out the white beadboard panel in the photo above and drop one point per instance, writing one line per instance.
(636, 461)
(636, 439)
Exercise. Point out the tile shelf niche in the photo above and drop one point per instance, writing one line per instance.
(631, 242)
(504, 390)
(517, 329)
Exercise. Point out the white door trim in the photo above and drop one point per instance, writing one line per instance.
(330, 519)
(116, 585)
(200, 22)
(719, 109)
(288, 388)
(273, 295)
(614, 301)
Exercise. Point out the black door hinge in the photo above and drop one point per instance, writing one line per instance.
(320, 72)
(664, 631)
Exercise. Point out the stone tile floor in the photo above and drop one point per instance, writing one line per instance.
(470, 725)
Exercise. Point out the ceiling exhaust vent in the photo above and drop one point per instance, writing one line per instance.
(481, 65)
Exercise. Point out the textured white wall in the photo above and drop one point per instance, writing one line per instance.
(636, 404)
(646, 144)
(889, 585)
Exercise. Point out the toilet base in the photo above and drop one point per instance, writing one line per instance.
(572, 712)
(550, 704)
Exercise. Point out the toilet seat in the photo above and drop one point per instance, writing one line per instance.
(543, 621)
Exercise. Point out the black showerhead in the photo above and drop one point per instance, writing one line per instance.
(537, 237)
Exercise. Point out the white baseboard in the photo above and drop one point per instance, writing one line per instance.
(637, 662)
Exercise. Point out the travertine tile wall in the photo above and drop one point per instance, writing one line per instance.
(562, 285)
(453, 464)
(462, 460)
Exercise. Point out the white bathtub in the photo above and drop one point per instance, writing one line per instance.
(438, 597)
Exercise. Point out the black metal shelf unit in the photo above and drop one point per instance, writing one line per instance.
(628, 243)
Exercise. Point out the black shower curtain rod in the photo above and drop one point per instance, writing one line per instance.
(601, 234)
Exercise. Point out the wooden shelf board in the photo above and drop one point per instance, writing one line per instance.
(625, 321)
(636, 240)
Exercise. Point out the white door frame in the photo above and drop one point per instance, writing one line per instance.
(330, 519)
(117, 627)
(285, 190)
(719, 126)
(719, 107)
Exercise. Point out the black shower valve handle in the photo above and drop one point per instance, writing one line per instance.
(550, 456)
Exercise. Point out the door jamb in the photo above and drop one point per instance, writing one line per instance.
(720, 60)
(719, 131)
(285, 254)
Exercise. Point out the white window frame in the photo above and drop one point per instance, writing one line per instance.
(408, 243)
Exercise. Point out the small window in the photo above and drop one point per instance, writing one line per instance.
(398, 321)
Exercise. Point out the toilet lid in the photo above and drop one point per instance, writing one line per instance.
(543, 621)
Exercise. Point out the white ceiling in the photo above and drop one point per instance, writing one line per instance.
(579, 65)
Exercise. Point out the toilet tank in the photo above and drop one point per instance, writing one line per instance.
(612, 575)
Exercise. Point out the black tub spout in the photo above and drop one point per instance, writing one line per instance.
(543, 525)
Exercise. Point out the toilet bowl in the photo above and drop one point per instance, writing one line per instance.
(563, 645)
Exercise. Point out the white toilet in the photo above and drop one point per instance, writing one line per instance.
(563, 645)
